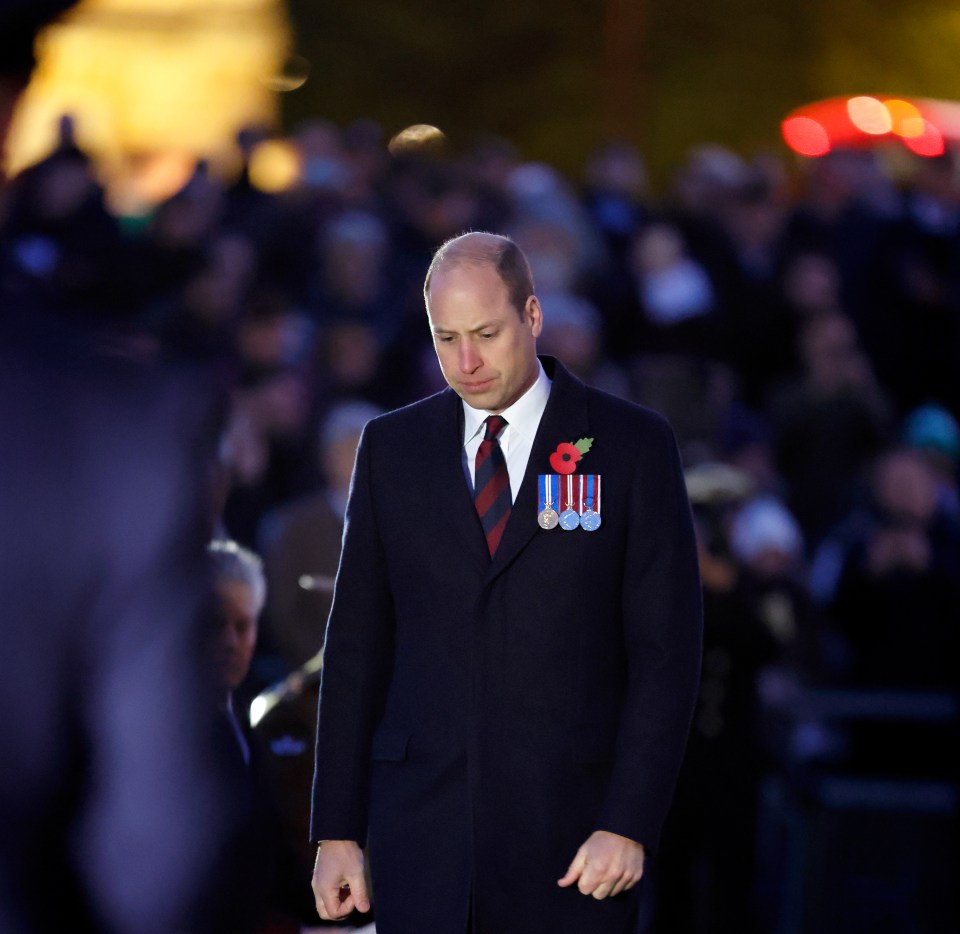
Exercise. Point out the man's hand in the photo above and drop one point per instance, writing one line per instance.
(607, 864)
(338, 882)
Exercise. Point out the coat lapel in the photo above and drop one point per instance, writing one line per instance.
(564, 419)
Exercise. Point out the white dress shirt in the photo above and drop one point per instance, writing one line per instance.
(523, 418)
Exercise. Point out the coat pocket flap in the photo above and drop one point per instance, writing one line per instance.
(390, 745)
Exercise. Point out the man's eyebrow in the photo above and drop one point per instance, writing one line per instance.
(482, 327)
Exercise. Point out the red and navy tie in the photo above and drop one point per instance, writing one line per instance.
(491, 483)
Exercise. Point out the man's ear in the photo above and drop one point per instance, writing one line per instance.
(533, 315)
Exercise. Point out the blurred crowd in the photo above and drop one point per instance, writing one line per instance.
(798, 325)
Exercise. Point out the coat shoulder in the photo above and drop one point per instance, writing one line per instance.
(412, 418)
(612, 412)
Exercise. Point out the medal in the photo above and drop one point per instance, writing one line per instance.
(590, 519)
(547, 518)
(570, 517)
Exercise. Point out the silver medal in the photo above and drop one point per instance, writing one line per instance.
(548, 518)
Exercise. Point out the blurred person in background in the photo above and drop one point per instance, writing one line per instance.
(890, 575)
(828, 422)
(912, 330)
(615, 193)
(756, 616)
(115, 813)
(56, 237)
(573, 334)
(935, 433)
(660, 299)
(264, 448)
(240, 593)
(302, 540)
(277, 900)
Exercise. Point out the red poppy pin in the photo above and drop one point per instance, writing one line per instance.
(564, 459)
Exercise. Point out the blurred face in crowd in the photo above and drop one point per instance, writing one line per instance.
(905, 488)
(657, 249)
(236, 633)
(486, 348)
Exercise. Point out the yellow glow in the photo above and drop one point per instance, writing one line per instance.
(293, 75)
(154, 76)
(274, 166)
(142, 181)
(906, 119)
(869, 115)
(420, 136)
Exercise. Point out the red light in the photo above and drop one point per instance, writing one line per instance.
(928, 143)
(806, 136)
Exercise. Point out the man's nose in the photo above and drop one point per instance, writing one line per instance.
(469, 358)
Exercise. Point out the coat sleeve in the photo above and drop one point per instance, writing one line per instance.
(358, 655)
(663, 632)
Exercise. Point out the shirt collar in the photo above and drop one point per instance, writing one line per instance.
(523, 416)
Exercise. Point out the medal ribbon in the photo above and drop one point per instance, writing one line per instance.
(547, 496)
(569, 502)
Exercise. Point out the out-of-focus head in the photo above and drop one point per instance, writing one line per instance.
(831, 353)
(932, 430)
(339, 438)
(484, 318)
(552, 252)
(708, 178)
(355, 250)
(765, 536)
(618, 168)
(657, 248)
(572, 331)
(240, 589)
(811, 284)
(904, 488)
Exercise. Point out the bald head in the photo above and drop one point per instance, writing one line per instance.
(479, 249)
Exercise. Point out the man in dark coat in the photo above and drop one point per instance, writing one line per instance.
(505, 703)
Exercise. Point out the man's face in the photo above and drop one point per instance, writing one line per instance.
(236, 634)
(487, 352)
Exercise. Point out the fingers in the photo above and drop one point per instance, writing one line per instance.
(626, 881)
(338, 882)
(605, 866)
(334, 903)
(327, 901)
(358, 892)
(602, 890)
(575, 869)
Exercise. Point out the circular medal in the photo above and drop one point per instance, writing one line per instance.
(548, 518)
(590, 520)
(569, 520)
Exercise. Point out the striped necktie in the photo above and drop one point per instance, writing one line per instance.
(491, 483)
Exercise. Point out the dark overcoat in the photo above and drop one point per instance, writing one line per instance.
(479, 719)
